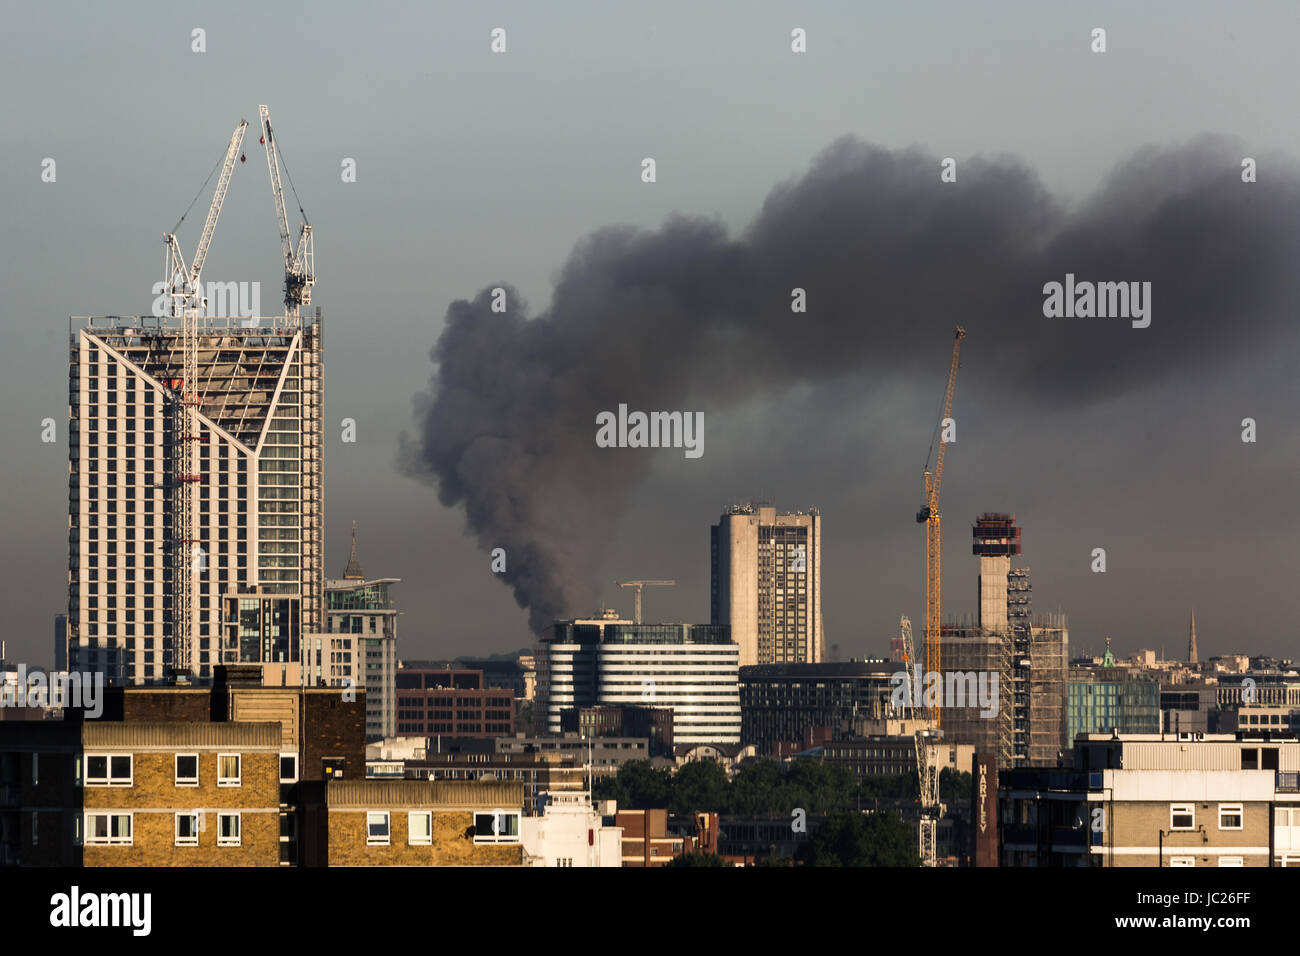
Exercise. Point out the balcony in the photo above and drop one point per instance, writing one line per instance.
(1288, 781)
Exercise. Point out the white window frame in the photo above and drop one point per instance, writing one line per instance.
(427, 817)
(1182, 861)
(239, 828)
(176, 768)
(89, 839)
(191, 840)
(1237, 808)
(1182, 809)
(108, 780)
(234, 781)
(294, 778)
(484, 834)
(1232, 861)
(371, 839)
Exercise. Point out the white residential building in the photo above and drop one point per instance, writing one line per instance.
(570, 832)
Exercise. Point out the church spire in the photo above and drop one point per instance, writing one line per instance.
(354, 573)
(1191, 640)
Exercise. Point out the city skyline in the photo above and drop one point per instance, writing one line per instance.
(1138, 452)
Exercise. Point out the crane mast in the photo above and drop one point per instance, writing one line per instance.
(927, 772)
(299, 262)
(929, 516)
(185, 558)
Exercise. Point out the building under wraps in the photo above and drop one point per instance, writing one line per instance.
(1030, 657)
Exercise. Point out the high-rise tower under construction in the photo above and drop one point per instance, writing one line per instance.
(258, 496)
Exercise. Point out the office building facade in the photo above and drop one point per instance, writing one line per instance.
(766, 583)
(691, 669)
(782, 703)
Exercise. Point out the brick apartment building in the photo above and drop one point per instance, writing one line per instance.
(75, 792)
(140, 794)
(424, 823)
(451, 701)
(649, 841)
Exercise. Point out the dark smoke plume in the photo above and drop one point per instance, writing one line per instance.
(686, 317)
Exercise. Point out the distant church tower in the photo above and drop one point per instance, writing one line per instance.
(353, 572)
(1191, 641)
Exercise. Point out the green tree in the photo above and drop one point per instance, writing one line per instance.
(699, 786)
(904, 786)
(848, 838)
(638, 786)
(818, 786)
(758, 789)
(954, 785)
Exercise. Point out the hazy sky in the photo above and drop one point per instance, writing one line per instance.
(475, 169)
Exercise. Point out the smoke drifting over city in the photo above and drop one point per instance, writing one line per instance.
(689, 317)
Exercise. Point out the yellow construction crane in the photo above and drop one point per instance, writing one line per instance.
(639, 585)
(929, 516)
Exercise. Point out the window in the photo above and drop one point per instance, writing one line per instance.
(227, 829)
(1249, 758)
(377, 829)
(1182, 861)
(1230, 816)
(35, 828)
(419, 827)
(187, 829)
(36, 775)
(187, 770)
(288, 768)
(108, 828)
(499, 826)
(1232, 861)
(227, 770)
(108, 770)
(1182, 816)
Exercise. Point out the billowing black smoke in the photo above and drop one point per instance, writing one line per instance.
(687, 317)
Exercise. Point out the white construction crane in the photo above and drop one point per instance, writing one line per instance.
(183, 284)
(185, 557)
(639, 585)
(927, 773)
(299, 263)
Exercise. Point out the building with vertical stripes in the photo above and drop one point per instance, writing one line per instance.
(258, 496)
(766, 583)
